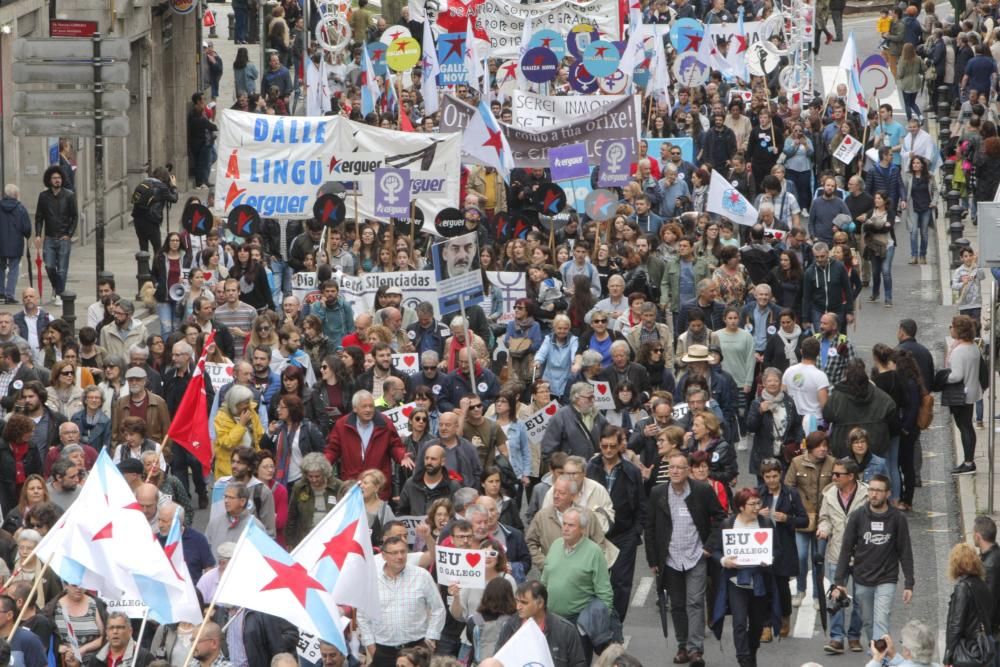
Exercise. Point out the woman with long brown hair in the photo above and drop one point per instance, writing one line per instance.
(963, 390)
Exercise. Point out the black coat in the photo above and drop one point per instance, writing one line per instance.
(786, 555)
(706, 513)
(762, 427)
(628, 497)
(635, 374)
(265, 636)
(970, 602)
(991, 563)
(8, 488)
(774, 352)
(319, 401)
(561, 635)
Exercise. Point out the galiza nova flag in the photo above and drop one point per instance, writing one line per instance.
(726, 200)
(850, 64)
(338, 552)
(262, 576)
(189, 426)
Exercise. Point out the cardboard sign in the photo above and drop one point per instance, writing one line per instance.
(456, 269)
(219, 374)
(847, 150)
(536, 424)
(131, 607)
(308, 648)
(408, 363)
(512, 286)
(304, 283)
(603, 400)
(750, 546)
(400, 418)
(569, 162)
(411, 527)
(392, 192)
(465, 567)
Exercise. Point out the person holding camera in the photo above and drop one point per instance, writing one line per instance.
(916, 648)
(839, 501)
(148, 200)
(876, 545)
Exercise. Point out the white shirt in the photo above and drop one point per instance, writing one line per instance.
(32, 322)
(803, 383)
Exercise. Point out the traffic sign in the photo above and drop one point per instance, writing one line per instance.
(70, 49)
(68, 126)
(68, 72)
(68, 101)
(67, 28)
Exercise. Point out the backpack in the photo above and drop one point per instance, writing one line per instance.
(144, 195)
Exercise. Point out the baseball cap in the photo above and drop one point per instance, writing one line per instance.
(135, 373)
(226, 550)
(394, 290)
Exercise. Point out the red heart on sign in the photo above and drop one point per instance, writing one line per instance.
(847, 141)
(229, 371)
(409, 359)
(602, 389)
(473, 558)
(408, 410)
(551, 409)
(760, 536)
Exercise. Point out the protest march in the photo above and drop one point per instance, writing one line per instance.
(550, 333)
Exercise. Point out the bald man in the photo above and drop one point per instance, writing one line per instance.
(149, 499)
(421, 490)
(209, 647)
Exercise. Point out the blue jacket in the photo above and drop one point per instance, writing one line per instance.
(337, 321)
(100, 432)
(557, 361)
(15, 226)
(875, 465)
(519, 448)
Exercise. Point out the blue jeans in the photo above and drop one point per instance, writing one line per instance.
(241, 24)
(876, 608)
(165, 313)
(882, 272)
(919, 224)
(805, 543)
(837, 619)
(10, 268)
(55, 253)
(802, 180)
(892, 463)
(282, 279)
(202, 165)
(910, 104)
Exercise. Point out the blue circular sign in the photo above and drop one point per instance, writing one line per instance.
(549, 39)
(579, 37)
(581, 80)
(376, 53)
(685, 35)
(539, 65)
(601, 58)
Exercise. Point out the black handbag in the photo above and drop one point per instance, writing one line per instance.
(978, 651)
(953, 394)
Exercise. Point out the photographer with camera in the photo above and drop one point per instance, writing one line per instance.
(877, 540)
(148, 201)
(839, 501)
(916, 648)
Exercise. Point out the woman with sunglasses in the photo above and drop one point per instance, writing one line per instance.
(651, 357)
(113, 386)
(782, 507)
(628, 408)
(264, 331)
(465, 600)
(64, 397)
(331, 395)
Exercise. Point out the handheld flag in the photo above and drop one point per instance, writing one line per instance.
(527, 646)
(189, 427)
(338, 553)
(850, 66)
(659, 80)
(369, 86)
(737, 51)
(726, 200)
(185, 603)
(472, 64)
(428, 84)
(264, 577)
(485, 140)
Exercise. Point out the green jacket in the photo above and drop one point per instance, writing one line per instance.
(910, 76)
(301, 508)
(670, 286)
(894, 38)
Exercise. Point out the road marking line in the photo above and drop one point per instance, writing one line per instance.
(625, 641)
(925, 272)
(805, 620)
(642, 592)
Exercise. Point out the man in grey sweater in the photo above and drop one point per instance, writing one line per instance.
(824, 209)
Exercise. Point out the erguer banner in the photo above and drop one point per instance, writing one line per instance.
(278, 164)
(617, 122)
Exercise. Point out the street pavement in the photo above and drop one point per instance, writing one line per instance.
(934, 523)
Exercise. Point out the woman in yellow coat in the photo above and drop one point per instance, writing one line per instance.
(236, 425)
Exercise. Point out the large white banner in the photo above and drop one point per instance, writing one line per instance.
(360, 291)
(537, 111)
(503, 20)
(278, 164)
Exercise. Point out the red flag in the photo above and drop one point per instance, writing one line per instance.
(189, 427)
(404, 123)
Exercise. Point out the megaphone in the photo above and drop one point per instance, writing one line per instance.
(178, 291)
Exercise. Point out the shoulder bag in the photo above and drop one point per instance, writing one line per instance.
(978, 651)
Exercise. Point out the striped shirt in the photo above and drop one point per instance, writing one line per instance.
(242, 317)
(411, 609)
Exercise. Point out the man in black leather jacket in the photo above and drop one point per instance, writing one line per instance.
(55, 220)
(984, 537)
(147, 207)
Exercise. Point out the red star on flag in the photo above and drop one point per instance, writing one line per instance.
(456, 47)
(741, 43)
(694, 42)
(401, 45)
(293, 577)
(495, 141)
(539, 60)
(341, 545)
(393, 36)
(511, 70)
(377, 54)
(600, 51)
(735, 197)
(546, 41)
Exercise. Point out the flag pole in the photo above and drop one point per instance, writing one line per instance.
(138, 638)
(27, 601)
(215, 598)
(468, 345)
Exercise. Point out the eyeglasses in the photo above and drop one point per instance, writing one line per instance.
(429, 368)
(477, 406)
(657, 350)
(67, 373)
(675, 154)
(839, 474)
(596, 321)
(263, 329)
(324, 367)
(420, 419)
(519, 308)
(588, 397)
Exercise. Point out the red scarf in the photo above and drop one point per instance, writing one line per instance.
(20, 450)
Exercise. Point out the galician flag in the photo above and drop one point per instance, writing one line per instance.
(263, 576)
(369, 86)
(527, 646)
(428, 83)
(850, 67)
(472, 64)
(338, 553)
(185, 605)
(726, 200)
(485, 140)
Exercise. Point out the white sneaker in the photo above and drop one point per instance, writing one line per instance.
(797, 599)
(57, 300)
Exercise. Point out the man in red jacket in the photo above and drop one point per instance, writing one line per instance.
(363, 440)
